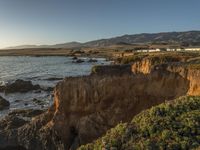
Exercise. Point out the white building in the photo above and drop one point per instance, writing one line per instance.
(175, 49)
(192, 49)
(148, 50)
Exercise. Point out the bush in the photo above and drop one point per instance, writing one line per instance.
(172, 125)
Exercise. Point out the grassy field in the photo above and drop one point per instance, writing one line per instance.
(108, 51)
(58, 52)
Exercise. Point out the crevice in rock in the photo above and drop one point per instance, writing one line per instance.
(73, 138)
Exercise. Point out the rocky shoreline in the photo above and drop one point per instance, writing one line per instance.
(86, 107)
(33, 89)
(21, 86)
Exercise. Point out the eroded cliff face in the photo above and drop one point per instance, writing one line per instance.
(146, 64)
(180, 66)
(86, 107)
(143, 66)
(191, 74)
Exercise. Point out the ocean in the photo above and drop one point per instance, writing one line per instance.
(45, 71)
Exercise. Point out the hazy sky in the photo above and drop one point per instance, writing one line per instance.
(57, 21)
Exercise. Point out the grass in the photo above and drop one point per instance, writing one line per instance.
(172, 125)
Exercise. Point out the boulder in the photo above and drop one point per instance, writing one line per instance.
(79, 61)
(92, 60)
(48, 89)
(74, 58)
(11, 122)
(20, 86)
(54, 79)
(38, 101)
(3, 103)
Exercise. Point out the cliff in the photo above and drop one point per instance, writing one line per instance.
(146, 63)
(94, 104)
(86, 107)
(183, 65)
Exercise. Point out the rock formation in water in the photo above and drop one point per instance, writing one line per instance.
(86, 107)
(3, 103)
(19, 86)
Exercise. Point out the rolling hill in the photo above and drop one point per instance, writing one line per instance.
(188, 37)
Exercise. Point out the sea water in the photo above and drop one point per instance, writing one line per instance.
(39, 70)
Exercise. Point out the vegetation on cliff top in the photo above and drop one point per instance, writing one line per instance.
(171, 125)
(157, 58)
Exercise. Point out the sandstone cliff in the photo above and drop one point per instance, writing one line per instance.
(146, 64)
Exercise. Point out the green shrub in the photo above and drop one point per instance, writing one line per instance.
(173, 125)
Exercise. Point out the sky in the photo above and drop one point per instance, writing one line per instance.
(59, 21)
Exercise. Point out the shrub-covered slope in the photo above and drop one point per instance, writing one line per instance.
(171, 125)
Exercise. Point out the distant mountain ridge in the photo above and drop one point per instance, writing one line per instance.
(190, 37)
(167, 37)
(63, 45)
